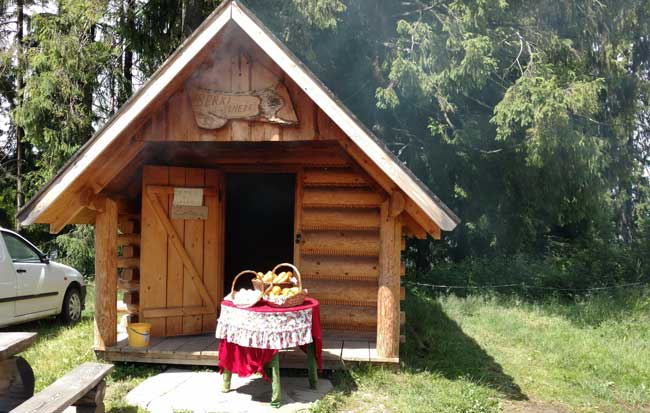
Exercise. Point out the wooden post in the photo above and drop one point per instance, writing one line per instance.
(106, 275)
(93, 401)
(388, 311)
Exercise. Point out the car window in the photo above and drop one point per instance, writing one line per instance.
(19, 250)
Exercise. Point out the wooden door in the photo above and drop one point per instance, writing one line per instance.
(181, 260)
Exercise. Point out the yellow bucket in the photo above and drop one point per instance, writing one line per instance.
(139, 334)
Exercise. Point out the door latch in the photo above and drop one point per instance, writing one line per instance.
(298, 238)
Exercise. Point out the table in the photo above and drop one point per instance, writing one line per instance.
(250, 340)
(16, 375)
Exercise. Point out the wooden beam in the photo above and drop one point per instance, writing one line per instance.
(106, 276)
(388, 298)
(68, 210)
(126, 226)
(333, 177)
(317, 197)
(128, 285)
(128, 262)
(351, 219)
(396, 204)
(173, 237)
(131, 297)
(340, 243)
(413, 228)
(112, 167)
(130, 274)
(348, 317)
(341, 292)
(128, 239)
(339, 268)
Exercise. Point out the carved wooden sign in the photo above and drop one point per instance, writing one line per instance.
(212, 108)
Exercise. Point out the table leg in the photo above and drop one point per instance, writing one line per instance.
(276, 400)
(16, 382)
(227, 377)
(312, 369)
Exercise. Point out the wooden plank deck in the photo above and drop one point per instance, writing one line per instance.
(202, 350)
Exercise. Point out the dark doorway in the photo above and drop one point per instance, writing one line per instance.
(259, 223)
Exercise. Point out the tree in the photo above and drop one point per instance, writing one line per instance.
(12, 71)
(532, 105)
(72, 56)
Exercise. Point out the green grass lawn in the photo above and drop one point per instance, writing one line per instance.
(60, 348)
(488, 354)
(474, 354)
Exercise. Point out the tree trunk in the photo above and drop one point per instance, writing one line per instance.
(192, 16)
(127, 67)
(20, 85)
(88, 88)
(627, 215)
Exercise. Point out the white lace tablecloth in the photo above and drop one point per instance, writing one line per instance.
(270, 329)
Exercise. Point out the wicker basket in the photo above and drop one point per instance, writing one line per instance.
(260, 285)
(294, 300)
(233, 292)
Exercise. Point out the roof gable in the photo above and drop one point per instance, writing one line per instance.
(361, 144)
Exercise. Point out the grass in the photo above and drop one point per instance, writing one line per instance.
(488, 354)
(475, 354)
(58, 349)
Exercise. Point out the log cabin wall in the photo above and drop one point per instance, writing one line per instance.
(339, 249)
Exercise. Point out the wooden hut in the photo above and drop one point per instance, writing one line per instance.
(235, 156)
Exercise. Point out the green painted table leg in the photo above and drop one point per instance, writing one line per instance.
(227, 377)
(276, 400)
(311, 365)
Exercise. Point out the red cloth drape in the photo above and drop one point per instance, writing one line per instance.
(245, 361)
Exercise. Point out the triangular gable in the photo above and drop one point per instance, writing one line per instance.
(422, 205)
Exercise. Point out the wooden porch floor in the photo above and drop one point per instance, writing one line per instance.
(202, 350)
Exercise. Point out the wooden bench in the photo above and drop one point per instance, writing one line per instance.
(83, 387)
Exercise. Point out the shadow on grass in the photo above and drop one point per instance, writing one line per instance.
(437, 343)
(342, 381)
(129, 371)
(47, 328)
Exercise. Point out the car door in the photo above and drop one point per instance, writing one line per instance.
(7, 287)
(35, 291)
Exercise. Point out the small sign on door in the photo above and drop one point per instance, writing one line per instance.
(188, 204)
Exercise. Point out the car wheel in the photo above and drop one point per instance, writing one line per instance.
(71, 311)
